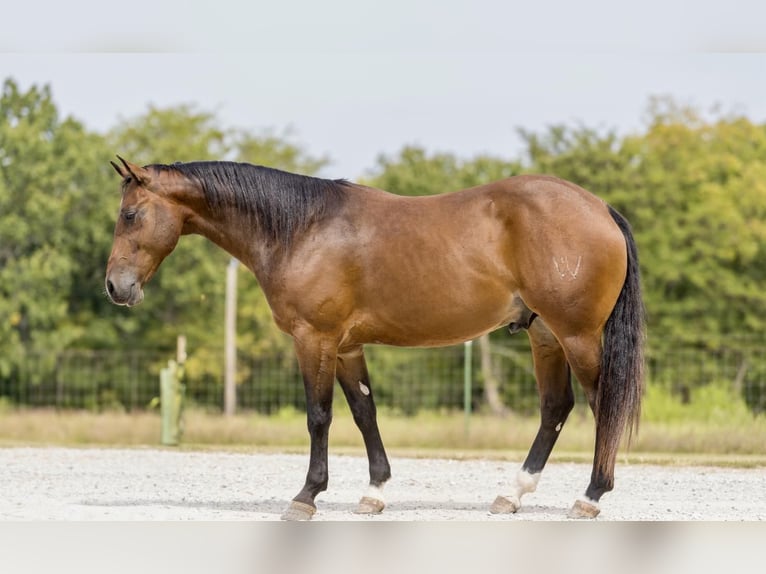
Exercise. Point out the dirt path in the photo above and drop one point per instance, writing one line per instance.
(58, 484)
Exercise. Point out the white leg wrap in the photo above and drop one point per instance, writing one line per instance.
(588, 500)
(525, 482)
(376, 492)
(372, 502)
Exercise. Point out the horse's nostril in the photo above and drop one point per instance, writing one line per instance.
(110, 287)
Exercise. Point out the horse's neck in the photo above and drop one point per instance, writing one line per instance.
(234, 233)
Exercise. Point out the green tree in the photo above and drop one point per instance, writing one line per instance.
(277, 150)
(414, 172)
(52, 224)
(699, 207)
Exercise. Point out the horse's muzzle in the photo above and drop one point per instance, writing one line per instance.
(128, 293)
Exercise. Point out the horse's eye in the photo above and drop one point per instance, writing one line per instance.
(129, 215)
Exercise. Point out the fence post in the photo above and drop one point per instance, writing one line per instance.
(467, 383)
(172, 392)
(230, 341)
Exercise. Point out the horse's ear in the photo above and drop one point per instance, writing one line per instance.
(140, 174)
(119, 170)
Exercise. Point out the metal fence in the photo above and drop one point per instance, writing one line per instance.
(404, 380)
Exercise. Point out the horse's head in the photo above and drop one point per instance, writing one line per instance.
(148, 227)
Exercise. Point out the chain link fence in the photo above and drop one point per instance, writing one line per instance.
(404, 380)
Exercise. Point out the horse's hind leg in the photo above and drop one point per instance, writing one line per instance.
(556, 402)
(355, 382)
(584, 355)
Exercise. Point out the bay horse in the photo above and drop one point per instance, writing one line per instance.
(344, 265)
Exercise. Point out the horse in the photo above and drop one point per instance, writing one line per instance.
(344, 265)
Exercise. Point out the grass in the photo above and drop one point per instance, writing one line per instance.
(718, 442)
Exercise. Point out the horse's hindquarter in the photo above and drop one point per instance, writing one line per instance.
(569, 254)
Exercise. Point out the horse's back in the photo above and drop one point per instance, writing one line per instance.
(519, 224)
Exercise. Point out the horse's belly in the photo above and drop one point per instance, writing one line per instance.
(430, 325)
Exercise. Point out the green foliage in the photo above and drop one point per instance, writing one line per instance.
(58, 201)
(713, 403)
(167, 135)
(53, 226)
(411, 380)
(692, 186)
(414, 172)
(277, 151)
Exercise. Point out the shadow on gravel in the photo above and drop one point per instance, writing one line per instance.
(277, 506)
(255, 506)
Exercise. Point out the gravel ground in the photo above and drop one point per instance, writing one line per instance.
(59, 484)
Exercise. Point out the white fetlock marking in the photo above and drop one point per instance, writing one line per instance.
(376, 492)
(590, 501)
(514, 500)
(364, 388)
(558, 427)
(525, 482)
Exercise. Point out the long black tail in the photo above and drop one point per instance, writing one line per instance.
(621, 382)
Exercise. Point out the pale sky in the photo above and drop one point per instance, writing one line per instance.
(354, 79)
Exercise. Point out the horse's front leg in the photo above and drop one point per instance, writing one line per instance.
(316, 357)
(355, 382)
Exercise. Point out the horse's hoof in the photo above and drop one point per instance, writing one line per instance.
(369, 505)
(505, 505)
(299, 511)
(583, 509)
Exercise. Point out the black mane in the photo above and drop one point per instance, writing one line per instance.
(279, 203)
